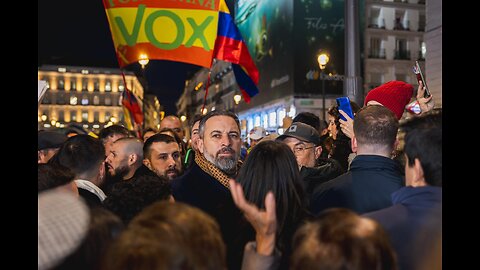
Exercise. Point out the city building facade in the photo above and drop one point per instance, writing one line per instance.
(89, 97)
(393, 35)
(394, 40)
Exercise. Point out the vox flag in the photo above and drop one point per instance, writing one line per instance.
(175, 30)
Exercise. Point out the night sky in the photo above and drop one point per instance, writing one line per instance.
(77, 34)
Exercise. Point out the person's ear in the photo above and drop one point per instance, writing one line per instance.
(147, 163)
(418, 176)
(318, 151)
(132, 159)
(354, 144)
(200, 145)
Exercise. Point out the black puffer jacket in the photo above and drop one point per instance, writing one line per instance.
(325, 170)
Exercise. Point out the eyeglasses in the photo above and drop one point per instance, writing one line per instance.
(298, 150)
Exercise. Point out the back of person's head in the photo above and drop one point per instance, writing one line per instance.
(104, 228)
(340, 239)
(375, 126)
(52, 175)
(113, 130)
(201, 128)
(128, 198)
(82, 154)
(272, 166)
(423, 141)
(309, 119)
(168, 236)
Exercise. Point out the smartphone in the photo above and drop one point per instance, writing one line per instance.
(418, 72)
(344, 105)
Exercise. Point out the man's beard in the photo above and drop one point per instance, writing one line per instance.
(111, 180)
(165, 174)
(226, 164)
(119, 172)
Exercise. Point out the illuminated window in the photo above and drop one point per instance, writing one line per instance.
(73, 84)
(84, 116)
(265, 121)
(73, 100)
(272, 119)
(73, 115)
(85, 100)
(108, 101)
(256, 122)
(108, 86)
(281, 115)
(96, 100)
(249, 124)
(121, 87)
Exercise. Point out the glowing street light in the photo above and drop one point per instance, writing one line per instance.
(323, 59)
(143, 61)
(237, 98)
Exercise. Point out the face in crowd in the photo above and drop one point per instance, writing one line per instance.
(220, 142)
(164, 159)
(174, 123)
(118, 160)
(195, 136)
(305, 152)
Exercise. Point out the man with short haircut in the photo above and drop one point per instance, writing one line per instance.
(125, 157)
(110, 134)
(85, 157)
(161, 154)
(173, 122)
(414, 222)
(205, 185)
(149, 132)
(373, 175)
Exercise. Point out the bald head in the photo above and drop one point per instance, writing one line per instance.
(125, 157)
(130, 145)
(173, 122)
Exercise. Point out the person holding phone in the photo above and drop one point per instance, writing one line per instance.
(394, 95)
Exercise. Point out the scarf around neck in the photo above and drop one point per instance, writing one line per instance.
(212, 170)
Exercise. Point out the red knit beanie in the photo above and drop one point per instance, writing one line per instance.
(394, 95)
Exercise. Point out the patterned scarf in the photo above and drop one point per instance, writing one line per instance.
(212, 170)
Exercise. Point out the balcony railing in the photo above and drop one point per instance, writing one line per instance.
(399, 25)
(402, 55)
(377, 54)
(375, 24)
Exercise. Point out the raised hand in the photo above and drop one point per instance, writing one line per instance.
(346, 126)
(426, 104)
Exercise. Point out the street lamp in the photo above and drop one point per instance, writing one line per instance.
(143, 61)
(237, 98)
(322, 62)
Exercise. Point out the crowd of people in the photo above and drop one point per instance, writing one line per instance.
(342, 194)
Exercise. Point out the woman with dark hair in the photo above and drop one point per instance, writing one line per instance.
(272, 166)
(341, 142)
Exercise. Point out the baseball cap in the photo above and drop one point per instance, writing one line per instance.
(50, 139)
(302, 132)
(257, 133)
